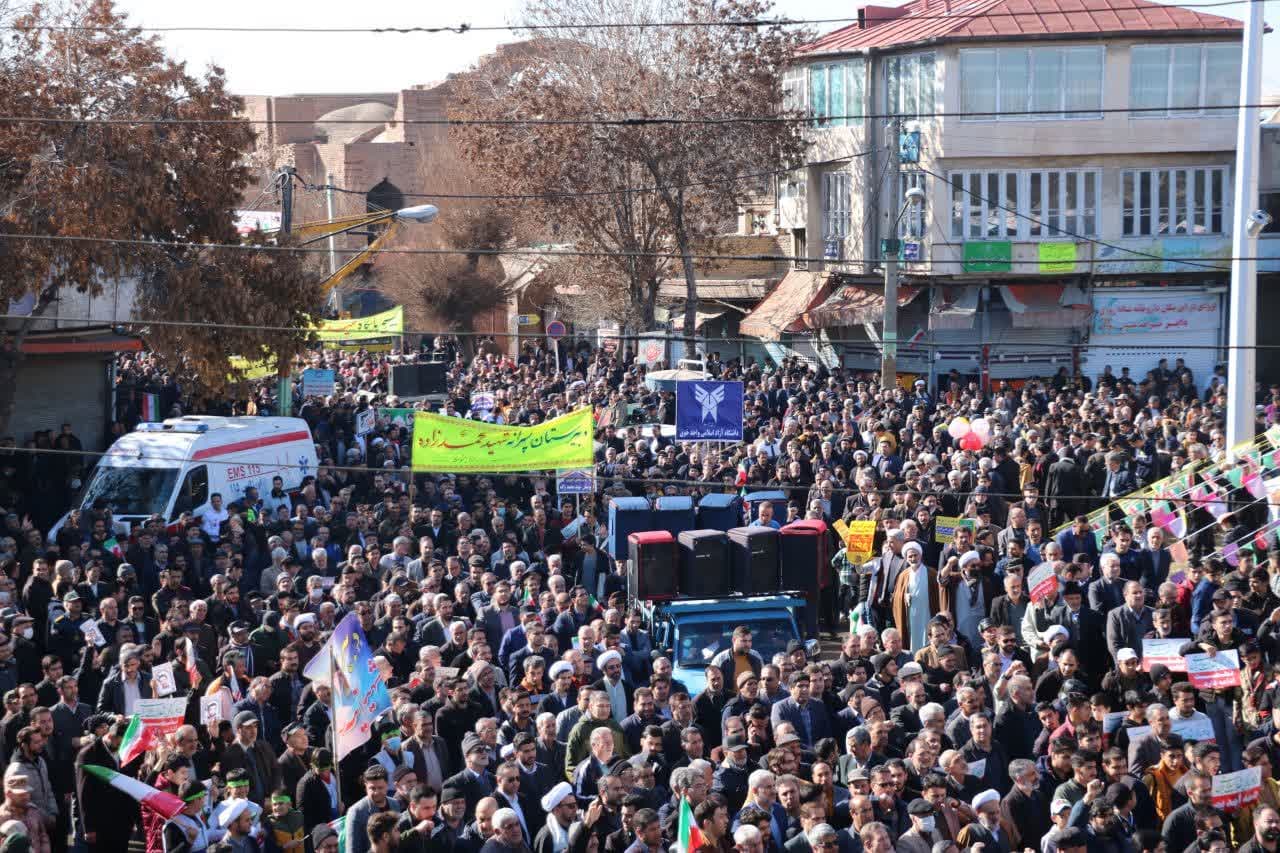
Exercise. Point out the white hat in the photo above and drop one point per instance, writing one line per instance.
(557, 795)
(909, 669)
(1058, 805)
(988, 796)
(606, 657)
(969, 557)
(10, 828)
(559, 667)
(231, 810)
(304, 619)
(912, 546)
(1054, 631)
(1125, 654)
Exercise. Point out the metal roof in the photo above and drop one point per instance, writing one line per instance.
(992, 20)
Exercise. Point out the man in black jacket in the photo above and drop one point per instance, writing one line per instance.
(107, 815)
(317, 792)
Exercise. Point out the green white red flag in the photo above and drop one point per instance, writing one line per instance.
(154, 719)
(689, 838)
(161, 802)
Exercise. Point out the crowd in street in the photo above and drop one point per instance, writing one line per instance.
(532, 711)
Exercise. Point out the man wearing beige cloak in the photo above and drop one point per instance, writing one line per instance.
(915, 597)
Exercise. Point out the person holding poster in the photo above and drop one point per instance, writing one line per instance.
(915, 597)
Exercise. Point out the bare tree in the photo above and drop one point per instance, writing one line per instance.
(689, 172)
(451, 291)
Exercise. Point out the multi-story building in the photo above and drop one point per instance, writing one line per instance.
(1076, 163)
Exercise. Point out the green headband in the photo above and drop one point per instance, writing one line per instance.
(195, 796)
(281, 798)
(238, 783)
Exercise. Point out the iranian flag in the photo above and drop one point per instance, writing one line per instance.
(154, 718)
(113, 547)
(689, 838)
(193, 668)
(164, 804)
(151, 408)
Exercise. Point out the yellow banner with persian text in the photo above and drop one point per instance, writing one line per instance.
(457, 446)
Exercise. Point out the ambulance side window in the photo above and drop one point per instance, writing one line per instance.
(194, 491)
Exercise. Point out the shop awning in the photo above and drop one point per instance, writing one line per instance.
(703, 318)
(854, 304)
(954, 308)
(1046, 306)
(782, 311)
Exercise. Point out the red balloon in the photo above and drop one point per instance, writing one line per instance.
(971, 441)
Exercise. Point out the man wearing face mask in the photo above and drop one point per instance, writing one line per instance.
(967, 594)
(923, 833)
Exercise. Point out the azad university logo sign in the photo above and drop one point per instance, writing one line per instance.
(708, 411)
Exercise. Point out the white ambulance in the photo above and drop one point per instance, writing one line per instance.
(173, 467)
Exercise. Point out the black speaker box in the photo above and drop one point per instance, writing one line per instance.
(651, 570)
(431, 378)
(405, 381)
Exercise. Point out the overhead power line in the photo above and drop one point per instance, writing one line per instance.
(633, 121)
(588, 253)
(604, 478)
(624, 337)
(464, 27)
(573, 194)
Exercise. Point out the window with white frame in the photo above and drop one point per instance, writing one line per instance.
(837, 92)
(911, 84)
(911, 223)
(1040, 204)
(1024, 84)
(1183, 79)
(1189, 201)
(795, 90)
(836, 200)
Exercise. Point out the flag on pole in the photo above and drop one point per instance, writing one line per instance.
(359, 691)
(193, 667)
(915, 337)
(163, 803)
(155, 719)
(689, 838)
(112, 546)
(151, 408)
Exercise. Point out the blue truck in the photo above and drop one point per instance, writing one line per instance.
(692, 631)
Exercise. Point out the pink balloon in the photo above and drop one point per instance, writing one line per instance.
(959, 428)
(981, 427)
(971, 441)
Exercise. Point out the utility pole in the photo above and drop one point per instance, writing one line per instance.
(333, 241)
(284, 384)
(889, 246)
(1242, 357)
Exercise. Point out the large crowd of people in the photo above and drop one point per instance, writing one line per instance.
(532, 711)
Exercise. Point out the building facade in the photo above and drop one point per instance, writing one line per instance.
(1076, 170)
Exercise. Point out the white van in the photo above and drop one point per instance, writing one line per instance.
(173, 467)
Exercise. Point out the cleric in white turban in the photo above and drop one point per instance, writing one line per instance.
(915, 597)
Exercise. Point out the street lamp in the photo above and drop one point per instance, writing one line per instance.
(418, 213)
(889, 249)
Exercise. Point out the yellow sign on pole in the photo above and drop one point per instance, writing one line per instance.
(860, 543)
(457, 446)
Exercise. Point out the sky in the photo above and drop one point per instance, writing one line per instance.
(286, 63)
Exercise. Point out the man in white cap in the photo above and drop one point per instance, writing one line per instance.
(562, 812)
(561, 697)
(966, 594)
(986, 830)
(610, 665)
(914, 593)
(237, 820)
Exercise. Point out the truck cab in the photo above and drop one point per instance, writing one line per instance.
(693, 631)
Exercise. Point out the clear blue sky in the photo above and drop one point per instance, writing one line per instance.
(270, 63)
